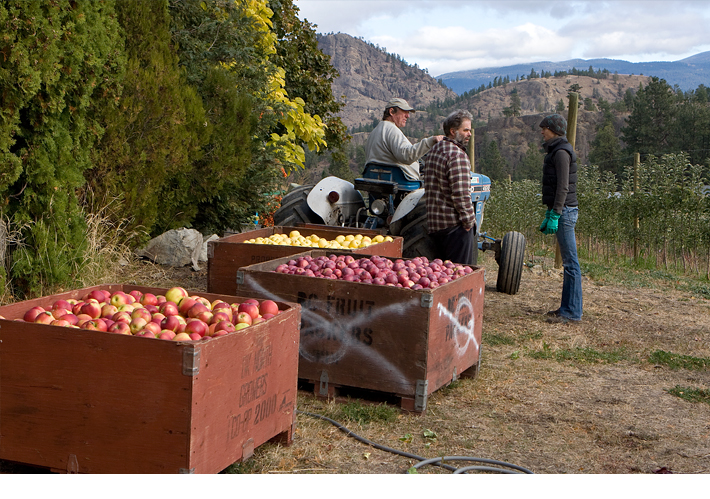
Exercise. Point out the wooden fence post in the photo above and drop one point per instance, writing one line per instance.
(471, 145)
(637, 162)
(571, 138)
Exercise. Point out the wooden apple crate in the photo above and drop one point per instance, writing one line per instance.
(92, 402)
(394, 341)
(226, 255)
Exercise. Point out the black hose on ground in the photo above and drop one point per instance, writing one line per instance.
(437, 461)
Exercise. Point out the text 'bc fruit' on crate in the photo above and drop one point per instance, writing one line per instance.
(227, 255)
(86, 401)
(398, 341)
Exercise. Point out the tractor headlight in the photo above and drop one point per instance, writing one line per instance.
(378, 207)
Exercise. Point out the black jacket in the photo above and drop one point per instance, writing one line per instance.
(559, 175)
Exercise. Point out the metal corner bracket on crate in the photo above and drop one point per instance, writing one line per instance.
(420, 395)
(191, 361)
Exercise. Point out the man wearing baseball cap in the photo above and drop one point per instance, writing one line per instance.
(559, 194)
(388, 145)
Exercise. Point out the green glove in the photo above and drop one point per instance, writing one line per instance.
(552, 223)
(544, 222)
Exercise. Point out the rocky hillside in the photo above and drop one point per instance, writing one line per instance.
(538, 97)
(369, 77)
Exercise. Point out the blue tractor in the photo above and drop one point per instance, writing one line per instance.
(384, 199)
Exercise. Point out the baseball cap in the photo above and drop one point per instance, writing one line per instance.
(400, 103)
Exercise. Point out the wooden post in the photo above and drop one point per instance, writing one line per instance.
(471, 146)
(571, 138)
(637, 162)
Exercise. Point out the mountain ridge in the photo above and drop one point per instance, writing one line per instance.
(687, 73)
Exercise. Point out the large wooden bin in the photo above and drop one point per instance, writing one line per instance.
(93, 402)
(407, 343)
(226, 255)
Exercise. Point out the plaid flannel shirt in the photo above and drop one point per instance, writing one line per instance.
(447, 187)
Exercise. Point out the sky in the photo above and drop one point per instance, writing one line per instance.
(447, 36)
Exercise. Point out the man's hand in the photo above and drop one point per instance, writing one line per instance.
(552, 223)
(438, 138)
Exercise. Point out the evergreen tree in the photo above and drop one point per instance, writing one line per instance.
(650, 125)
(155, 134)
(605, 150)
(530, 167)
(62, 63)
(492, 162)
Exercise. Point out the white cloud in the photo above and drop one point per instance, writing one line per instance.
(447, 36)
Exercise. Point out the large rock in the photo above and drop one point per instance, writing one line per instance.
(177, 248)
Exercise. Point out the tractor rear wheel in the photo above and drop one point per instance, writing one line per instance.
(294, 208)
(414, 232)
(510, 263)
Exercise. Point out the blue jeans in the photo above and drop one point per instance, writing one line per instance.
(571, 306)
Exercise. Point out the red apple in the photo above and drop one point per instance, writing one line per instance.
(153, 327)
(171, 322)
(121, 317)
(60, 322)
(142, 313)
(145, 333)
(249, 308)
(126, 307)
(268, 307)
(185, 305)
(44, 317)
(71, 318)
(244, 318)
(168, 308)
(149, 299)
(92, 308)
(82, 318)
(137, 324)
(203, 300)
(221, 315)
(166, 334)
(61, 304)
(32, 314)
(197, 309)
(196, 326)
(182, 337)
(157, 317)
(119, 328)
(118, 298)
(108, 310)
(224, 326)
(137, 295)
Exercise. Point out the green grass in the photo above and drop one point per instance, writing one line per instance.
(678, 361)
(691, 394)
(366, 413)
(582, 355)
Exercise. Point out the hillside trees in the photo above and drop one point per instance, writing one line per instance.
(61, 63)
(228, 50)
(309, 74)
(155, 135)
(665, 122)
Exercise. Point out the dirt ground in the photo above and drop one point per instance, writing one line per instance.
(532, 407)
(581, 399)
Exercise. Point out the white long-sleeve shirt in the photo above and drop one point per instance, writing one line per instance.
(387, 144)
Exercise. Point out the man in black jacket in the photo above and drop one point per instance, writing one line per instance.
(559, 194)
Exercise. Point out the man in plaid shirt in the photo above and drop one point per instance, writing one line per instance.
(447, 192)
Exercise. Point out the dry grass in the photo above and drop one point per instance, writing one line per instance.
(580, 399)
(551, 398)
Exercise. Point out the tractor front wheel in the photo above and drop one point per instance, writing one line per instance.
(510, 263)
